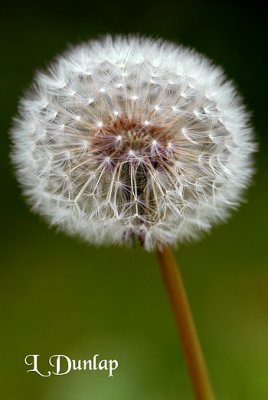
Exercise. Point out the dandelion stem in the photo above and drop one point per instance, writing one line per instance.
(192, 350)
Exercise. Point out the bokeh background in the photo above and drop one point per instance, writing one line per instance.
(60, 296)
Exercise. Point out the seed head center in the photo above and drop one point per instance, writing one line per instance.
(123, 138)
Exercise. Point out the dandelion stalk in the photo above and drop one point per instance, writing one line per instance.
(189, 339)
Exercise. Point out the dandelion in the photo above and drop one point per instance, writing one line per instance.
(132, 139)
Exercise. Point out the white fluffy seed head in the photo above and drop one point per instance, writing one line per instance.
(130, 138)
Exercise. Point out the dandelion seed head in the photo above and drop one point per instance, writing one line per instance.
(130, 138)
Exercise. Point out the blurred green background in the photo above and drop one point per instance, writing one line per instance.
(60, 296)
